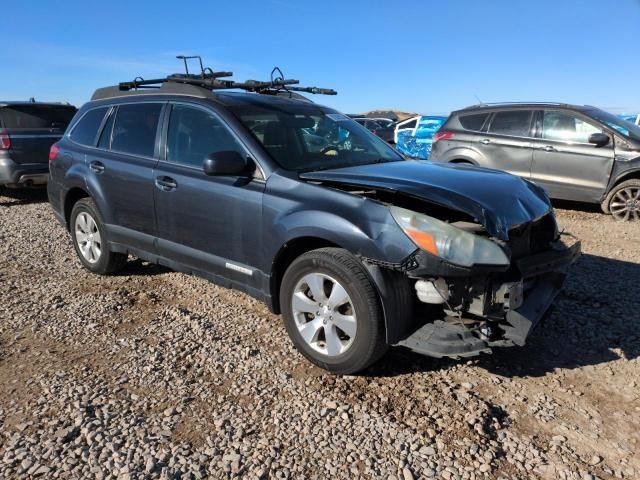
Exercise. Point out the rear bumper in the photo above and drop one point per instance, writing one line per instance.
(12, 173)
(449, 338)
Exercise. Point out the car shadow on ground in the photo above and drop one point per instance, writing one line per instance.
(577, 206)
(594, 320)
(140, 268)
(13, 197)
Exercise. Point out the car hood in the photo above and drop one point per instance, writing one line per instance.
(498, 200)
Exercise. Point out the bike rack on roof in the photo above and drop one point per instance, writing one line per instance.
(210, 80)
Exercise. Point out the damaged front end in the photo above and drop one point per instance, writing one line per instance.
(486, 306)
(489, 259)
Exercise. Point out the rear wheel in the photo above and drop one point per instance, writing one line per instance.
(332, 312)
(89, 239)
(623, 201)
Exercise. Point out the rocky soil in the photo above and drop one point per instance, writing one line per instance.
(155, 374)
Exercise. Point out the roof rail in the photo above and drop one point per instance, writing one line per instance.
(209, 80)
(497, 104)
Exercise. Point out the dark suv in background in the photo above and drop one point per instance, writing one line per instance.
(27, 131)
(575, 152)
(348, 240)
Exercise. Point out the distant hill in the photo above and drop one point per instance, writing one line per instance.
(392, 114)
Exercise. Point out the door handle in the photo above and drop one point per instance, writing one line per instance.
(166, 184)
(97, 167)
(485, 141)
(550, 148)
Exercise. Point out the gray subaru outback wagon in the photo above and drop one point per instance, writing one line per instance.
(578, 153)
(306, 210)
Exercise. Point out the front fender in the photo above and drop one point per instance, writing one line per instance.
(370, 236)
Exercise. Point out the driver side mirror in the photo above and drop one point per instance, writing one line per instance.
(599, 139)
(227, 162)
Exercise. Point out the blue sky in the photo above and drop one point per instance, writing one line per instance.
(422, 56)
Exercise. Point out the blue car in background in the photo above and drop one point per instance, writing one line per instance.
(631, 117)
(415, 135)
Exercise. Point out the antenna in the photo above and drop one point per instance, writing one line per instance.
(478, 98)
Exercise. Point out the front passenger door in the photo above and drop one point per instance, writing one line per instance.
(565, 163)
(209, 223)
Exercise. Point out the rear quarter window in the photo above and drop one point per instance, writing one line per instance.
(473, 122)
(86, 130)
(36, 116)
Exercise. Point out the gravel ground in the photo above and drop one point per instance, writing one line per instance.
(155, 374)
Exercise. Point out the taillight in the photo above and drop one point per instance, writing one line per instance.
(5, 141)
(53, 153)
(442, 136)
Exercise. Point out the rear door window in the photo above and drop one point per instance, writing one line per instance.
(566, 127)
(105, 136)
(512, 122)
(410, 124)
(36, 116)
(473, 122)
(86, 130)
(135, 128)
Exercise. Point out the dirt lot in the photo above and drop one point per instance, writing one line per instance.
(154, 374)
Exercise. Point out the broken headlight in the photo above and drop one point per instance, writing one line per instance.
(447, 242)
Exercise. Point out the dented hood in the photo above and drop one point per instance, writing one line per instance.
(498, 200)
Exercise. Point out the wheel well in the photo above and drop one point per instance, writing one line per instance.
(635, 174)
(287, 254)
(462, 160)
(70, 200)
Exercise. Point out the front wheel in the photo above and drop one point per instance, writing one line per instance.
(332, 312)
(623, 201)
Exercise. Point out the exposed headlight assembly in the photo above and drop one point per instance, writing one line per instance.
(447, 242)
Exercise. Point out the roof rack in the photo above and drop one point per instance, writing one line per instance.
(497, 104)
(211, 80)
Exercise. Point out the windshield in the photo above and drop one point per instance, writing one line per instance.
(626, 129)
(305, 138)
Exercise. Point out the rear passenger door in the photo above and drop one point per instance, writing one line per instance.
(565, 163)
(507, 143)
(209, 223)
(121, 172)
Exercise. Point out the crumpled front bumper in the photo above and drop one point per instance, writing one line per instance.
(546, 273)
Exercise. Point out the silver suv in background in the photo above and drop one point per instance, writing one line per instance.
(578, 153)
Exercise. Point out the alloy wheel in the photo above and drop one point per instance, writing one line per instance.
(625, 204)
(324, 314)
(88, 237)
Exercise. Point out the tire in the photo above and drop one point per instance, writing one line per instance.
(314, 326)
(94, 254)
(623, 201)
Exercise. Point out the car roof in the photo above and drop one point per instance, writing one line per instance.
(11, 103)
(520, 105)
(222, 97)
(229, 98)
